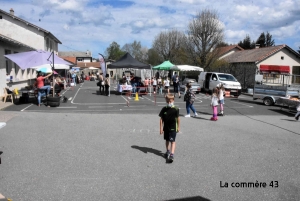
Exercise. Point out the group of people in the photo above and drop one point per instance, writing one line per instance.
(217, 99)
(103, 84)
(159, 85)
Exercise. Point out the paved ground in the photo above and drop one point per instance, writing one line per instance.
(87, 153)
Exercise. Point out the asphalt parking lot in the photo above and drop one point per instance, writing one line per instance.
(97, 148)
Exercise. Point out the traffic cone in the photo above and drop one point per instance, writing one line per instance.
(136, 96)
(227, 93)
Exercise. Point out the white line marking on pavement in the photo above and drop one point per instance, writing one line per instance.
(99, 106)
(125, 99)
(26, 107)
(136, 106)
(70, 98)
(148, 99)
(67, 107)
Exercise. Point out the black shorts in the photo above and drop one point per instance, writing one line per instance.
(170, 136)
(166, 87)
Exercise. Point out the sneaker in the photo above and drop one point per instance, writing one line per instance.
(167, 154)
(171, 158)
(179, 97)
(195, 114)
(297, 118)
(187, 115)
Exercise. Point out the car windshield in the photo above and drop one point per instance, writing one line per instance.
(226, 77)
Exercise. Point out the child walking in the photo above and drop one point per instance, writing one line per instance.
(214, 104)
(169, 125)
(221, 100)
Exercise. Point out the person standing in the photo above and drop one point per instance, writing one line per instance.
(107, 84)
(167, 85)
(133, 83)
(189, 99)
(221, 92)
(169, 125)
(41, 87)
(146, 83)
(214, 104)
(101, 84)
(159, 82)
(174, 83)
(154, 83)
(176, 86)
(74, 78)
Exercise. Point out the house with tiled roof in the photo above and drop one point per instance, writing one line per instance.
(280, 59)
(18, 35)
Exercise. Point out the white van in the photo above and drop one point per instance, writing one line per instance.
(210, 80)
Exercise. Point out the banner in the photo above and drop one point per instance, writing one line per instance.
(102, 64)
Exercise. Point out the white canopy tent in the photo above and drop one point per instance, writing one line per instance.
(186, 68)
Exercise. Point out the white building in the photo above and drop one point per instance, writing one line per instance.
(18, 35)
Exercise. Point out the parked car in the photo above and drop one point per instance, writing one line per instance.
(195, 86)
(210, 80)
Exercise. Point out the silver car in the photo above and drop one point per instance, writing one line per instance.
(195, 86)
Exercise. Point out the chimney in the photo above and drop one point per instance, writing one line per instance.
(257, 46)
(12, 12)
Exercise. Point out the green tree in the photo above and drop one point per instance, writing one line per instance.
(261, 41)
(265, 40)
(269, 40)
(246, 43)
(136, 50)
(154, 58)
(113, 51)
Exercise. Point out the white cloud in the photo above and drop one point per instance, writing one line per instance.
(93, 25)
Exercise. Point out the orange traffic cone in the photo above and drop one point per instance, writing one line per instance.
(227, 93)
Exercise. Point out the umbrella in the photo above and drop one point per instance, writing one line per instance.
(166, 65)
(33, 59)
(186, 68)
(36, 58)
(57, 66)
(44, 70)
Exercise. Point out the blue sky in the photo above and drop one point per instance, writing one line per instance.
(94, 24)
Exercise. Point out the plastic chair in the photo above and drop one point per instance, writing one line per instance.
(6, 95)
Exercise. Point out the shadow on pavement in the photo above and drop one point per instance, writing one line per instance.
(284, 112)
(150, 150)
(196, 198)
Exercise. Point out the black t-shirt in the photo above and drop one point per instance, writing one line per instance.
(169, 116)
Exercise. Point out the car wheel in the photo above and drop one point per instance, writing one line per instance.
(268, 101)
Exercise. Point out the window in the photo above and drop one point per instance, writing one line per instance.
(296, 74)
(79, 59)
(224, 77)
(214, 77)
(8, 63)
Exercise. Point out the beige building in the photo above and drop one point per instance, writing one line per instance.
(18, 35)
(273, 62)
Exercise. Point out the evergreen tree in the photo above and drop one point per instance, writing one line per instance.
(261, 40)
(269, 40)
(246, 43)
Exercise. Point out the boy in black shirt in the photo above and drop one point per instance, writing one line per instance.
(169, 125)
